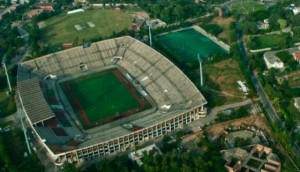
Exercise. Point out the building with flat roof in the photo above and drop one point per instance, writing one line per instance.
(257, 158)
(272, 61)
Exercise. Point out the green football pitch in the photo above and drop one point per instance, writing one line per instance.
(189, 43)
(102, 97)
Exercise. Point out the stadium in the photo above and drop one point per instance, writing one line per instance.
(86, 102)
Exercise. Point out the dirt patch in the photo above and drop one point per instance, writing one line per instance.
(225, 74)
(217, 130)
(225, 22)
(41, 24)
(141, 14)
(293, 78)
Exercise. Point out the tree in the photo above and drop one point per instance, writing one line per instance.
(68, 167)
(293, 64)
(248, 27)
(156, 9)
(239, 142)
(261, 15)
(179, 12)
(284, 56)
(274, 17)
(282, 23)
(166, 14)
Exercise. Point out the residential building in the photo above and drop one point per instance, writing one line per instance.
(257, 158)
(34, 12)
(254, 136)
(45, 7)
(272, 61)
(8, 10)
(296, 56)
(264, 25)
(296, 10)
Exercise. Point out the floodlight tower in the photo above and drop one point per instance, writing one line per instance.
(20, 113)
(6, 73)
(150, 36)
(201, 75)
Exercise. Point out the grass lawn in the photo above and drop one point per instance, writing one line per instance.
(245, 7)
(265, 41)
(225, 75)
(60, 29)
(7, 104)
(100, 95)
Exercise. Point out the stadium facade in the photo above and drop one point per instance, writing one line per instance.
(175, 99)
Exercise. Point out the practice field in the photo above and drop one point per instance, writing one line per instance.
(61, 29)
(265, 41)
(103, 97)
(245, 7)
(188, 43)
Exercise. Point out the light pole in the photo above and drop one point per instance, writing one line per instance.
(150, 36)
(20, 113)
(6, 73)
(200, 68)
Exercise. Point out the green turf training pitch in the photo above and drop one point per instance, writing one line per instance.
(103, 97)
(188, 43)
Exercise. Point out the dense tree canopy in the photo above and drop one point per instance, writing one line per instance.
(173, 160)
(172, 10)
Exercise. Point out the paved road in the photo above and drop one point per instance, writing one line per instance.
(259, 90)
(16, 60)
(212, 115)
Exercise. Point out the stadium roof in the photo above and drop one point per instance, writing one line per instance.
(34, 103)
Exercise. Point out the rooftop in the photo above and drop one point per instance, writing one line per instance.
(272, 58)
(297, 55)
(33, 101)
(260, 158)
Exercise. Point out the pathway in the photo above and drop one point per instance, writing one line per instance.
(212, 115)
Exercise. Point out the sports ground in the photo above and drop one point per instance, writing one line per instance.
(60, 29)
(188, 43)
(246, 7)
(103, 97)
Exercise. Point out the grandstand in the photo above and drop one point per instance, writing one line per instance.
(174, 98)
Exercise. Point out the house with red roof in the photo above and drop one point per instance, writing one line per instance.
(44, 6)
(296, 56)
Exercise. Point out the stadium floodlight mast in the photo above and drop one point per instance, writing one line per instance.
(200, 68)
(150, 38)
(20, 113)
(6, 73)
